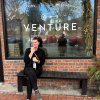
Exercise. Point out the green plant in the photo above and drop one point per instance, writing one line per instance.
(87, 29)
(94, 74)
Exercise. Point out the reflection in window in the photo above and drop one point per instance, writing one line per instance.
(63, 27)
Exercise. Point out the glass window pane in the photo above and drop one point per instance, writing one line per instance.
(66, 27)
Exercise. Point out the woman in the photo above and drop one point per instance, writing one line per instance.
(34, 59)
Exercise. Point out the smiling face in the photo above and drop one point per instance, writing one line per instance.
(35, 43)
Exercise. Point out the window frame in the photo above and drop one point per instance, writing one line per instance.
(18, 58)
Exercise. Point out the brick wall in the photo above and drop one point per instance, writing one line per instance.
(98, 33)
(12, 67)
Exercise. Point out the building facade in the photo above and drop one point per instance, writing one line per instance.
(9, 67)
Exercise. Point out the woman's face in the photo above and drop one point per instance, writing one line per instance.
(35, 43)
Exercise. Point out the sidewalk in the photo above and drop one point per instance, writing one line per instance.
(6, 96)
(9, 92)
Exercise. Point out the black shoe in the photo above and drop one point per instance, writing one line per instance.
(38, 95)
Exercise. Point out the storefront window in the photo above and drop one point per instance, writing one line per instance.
(65, 26)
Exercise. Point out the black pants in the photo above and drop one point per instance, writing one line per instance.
(32, 76)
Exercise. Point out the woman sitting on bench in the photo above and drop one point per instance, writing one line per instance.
(34, 58)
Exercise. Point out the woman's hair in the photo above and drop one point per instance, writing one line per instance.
(39, 39)
(41, 42)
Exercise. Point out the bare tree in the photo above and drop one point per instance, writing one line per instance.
(67, 9)
(13, 8)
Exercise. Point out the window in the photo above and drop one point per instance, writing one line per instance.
(65, 26)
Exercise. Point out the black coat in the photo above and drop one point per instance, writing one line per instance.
(62, 41)
(29, 63)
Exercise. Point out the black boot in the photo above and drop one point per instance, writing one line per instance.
(38, 95)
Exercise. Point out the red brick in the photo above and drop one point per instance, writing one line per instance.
(98, 30)
(98, 2)
(98, 22)
(70, 98)
(52, 97)
(59, 97)
(64, 98)
(45, 97)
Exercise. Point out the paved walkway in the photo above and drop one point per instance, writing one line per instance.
(9, 92)
(7, 96)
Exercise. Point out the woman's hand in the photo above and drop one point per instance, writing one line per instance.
(36, 60)
(32, 51)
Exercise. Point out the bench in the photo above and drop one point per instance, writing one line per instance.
(81, 76)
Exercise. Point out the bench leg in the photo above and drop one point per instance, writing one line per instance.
(84, 87)
(80, 84)
(20, 84)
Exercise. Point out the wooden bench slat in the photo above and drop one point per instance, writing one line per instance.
(62, 75)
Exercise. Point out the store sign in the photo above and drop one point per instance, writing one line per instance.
(57, 27)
